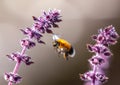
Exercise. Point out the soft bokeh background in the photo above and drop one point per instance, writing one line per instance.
(81, 19)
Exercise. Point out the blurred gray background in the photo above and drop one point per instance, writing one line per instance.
(81, 19)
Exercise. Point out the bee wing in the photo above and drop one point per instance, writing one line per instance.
(55, 37)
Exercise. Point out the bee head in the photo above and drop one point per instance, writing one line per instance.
(55, 44)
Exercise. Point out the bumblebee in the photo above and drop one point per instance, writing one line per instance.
(63, 47)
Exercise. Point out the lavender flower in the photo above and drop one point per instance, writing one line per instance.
(41, 25)
(100, 61)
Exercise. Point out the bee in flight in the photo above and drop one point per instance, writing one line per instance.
(63, 47)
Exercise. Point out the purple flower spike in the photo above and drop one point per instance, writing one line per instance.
(27, 43)
(100, 61)
(13, 78)
(41, 25)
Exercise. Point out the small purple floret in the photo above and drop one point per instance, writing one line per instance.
(99, 48)
(27, 43)
(101, 77)
(96, 60)
(18, 58)
(13, 78)
(33, 34)
(89, 76)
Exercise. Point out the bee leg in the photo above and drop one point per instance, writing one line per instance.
(59, 51)
(65, 55)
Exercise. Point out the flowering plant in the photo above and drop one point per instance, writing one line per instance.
(41, 25)
(100, 61)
